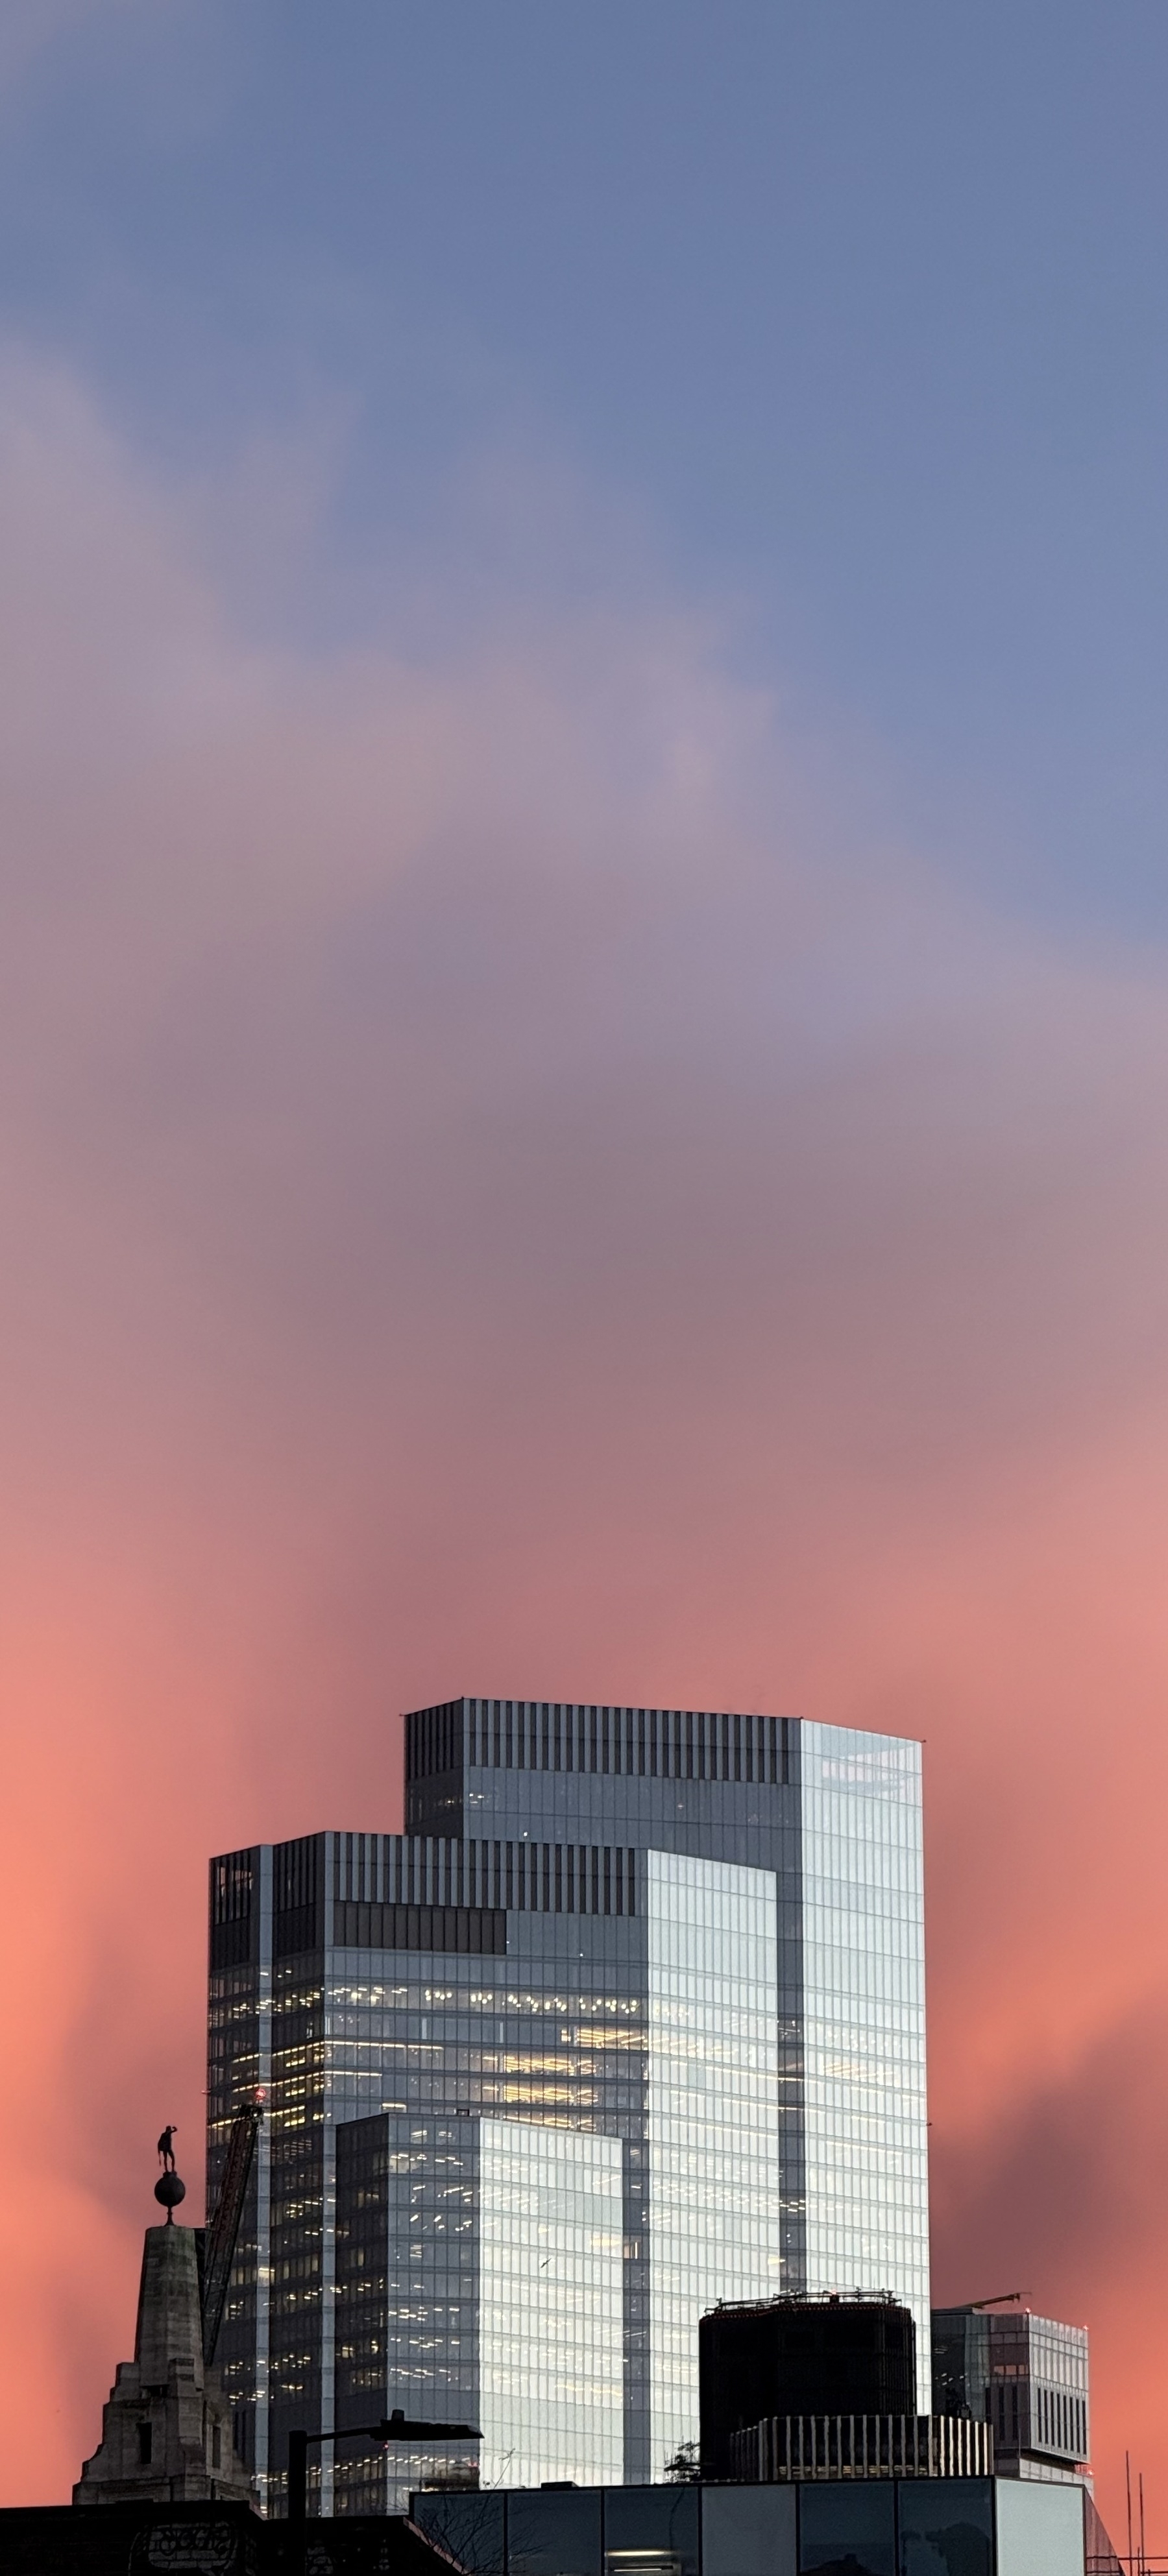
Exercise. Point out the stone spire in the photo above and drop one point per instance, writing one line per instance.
(166, 2435)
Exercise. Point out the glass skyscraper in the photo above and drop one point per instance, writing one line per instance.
(630, 2019)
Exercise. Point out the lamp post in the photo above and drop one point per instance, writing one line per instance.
(396, 2427)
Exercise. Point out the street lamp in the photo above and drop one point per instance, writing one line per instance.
(397, 2427)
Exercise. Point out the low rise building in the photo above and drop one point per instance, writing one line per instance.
(979, 2526)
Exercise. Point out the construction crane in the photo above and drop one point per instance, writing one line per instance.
(223, 2230)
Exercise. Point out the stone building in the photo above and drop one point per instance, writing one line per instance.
(166, 2426)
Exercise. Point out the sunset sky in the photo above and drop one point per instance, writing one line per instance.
(584, 1012)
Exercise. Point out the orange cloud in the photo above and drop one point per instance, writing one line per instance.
(506, 1187)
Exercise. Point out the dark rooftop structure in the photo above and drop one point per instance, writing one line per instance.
(795, 2357)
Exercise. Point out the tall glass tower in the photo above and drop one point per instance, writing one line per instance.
(630, 2019)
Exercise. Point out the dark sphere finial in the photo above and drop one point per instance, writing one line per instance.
(170, 2189)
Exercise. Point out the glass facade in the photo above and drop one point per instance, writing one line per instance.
(713, 2141)
(550, 2311)
(406, 2298)
(748, 2531)
(1025, 2375)
(478, 2280)
(852, 2528)
(594, 1909)
(556, 2535)
(239, 2065)
(883, 2527)
(865, 2108)
(946, 2525)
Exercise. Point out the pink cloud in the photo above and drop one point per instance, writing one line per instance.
(506, 1186)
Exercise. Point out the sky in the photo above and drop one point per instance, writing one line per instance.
(584, 1013)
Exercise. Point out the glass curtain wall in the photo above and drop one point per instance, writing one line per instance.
(713, 2180)
(479, 2280)
(865, 2112)
(550, 2305)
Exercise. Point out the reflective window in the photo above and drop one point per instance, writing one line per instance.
(848, 2531)
(553, 2535)
(713, 2116)
(651, 2531)
(748, 2531)
(470, 2526)
(946, 2527)
(865, 2113)
(551, 2364)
